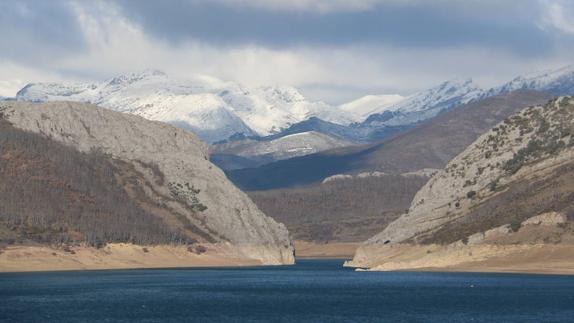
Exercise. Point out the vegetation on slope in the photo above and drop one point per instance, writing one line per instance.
(529, 139)
(340, 210)
(52, 193)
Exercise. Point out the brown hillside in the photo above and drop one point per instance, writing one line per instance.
(341, 210)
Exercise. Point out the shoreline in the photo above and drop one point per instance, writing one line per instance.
(473, 271)
(552, 259)
(34, 258)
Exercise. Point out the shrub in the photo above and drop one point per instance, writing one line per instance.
(515, 226)
(198, 250)
(493, 185)
(471, 194)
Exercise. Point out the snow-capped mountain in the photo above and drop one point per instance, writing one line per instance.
(426, 104)
(386, 115)
(218, 110)
(213, 109)
(363, 107)
(557, 82)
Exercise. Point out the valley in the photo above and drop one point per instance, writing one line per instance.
(283, 161)
(333, 180)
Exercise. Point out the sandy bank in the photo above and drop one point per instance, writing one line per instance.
(537, 258)
(118, 256)
(306, 249)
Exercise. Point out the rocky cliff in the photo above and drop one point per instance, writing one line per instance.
(162, 170)
(520, 169)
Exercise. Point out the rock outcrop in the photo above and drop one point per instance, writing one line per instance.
(550, 218)
(174, 179)
(519, 169)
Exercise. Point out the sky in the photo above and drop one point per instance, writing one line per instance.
(332, 50)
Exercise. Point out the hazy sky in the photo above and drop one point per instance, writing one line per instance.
(333, 50)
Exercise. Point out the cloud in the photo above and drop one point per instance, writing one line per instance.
(35, 30)
(16, 76)
(559, 14)
(321, 6)
(420, 24)
(333, 54)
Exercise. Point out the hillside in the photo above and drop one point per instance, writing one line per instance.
(429, 145)
(509, 194)
(342, 209)
(85, 180)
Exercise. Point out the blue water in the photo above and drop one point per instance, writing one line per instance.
(311, 291)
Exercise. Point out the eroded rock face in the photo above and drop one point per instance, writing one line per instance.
(550, 218)
(196, 188)
(502, 168)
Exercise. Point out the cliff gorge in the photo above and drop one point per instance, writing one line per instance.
(483, 199)
(78, 175)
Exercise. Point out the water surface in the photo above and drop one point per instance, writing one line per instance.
(311, 291)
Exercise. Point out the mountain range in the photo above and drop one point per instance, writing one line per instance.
(429, 145)
(247, 126)
(351, 193)
(351, 170)
(213, 109)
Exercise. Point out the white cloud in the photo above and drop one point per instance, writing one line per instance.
(559, 14)
(15, 76)
(309, 5)
(115, 45)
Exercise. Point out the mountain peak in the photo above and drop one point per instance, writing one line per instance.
(284, 93)
(137, 76)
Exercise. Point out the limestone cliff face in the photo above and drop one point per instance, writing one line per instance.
(178, 182)
(517, 170)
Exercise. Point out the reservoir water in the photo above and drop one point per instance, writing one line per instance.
(311, 291)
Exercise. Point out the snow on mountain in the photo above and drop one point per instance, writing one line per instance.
(268, 110)
(363, 107)
(217, 110)
(557, 82)
(427, 104)
(212, 108)
(285, 147)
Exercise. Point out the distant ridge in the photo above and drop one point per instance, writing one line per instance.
(430, 145)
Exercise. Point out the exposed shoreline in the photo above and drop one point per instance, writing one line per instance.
(38, 258)
(121, 256)
(555, 259)
(533, 259)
